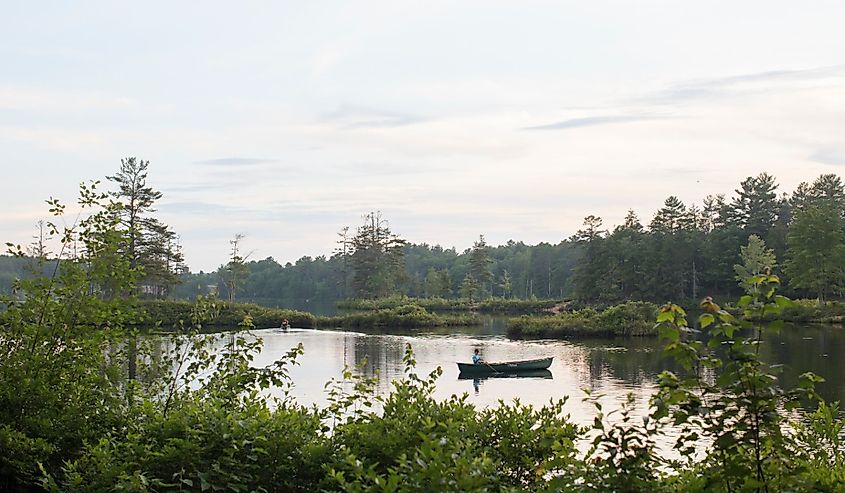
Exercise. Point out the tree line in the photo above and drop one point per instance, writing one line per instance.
(686, 251)
(683, 252)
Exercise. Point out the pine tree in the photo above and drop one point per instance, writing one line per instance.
(671, 218)
(149, 244)
(235, 272)
(590, 273)
(755, 208)
(469, 287)
(377, 258)
(816, 254)
(479, 265)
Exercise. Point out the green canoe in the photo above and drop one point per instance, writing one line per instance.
(511, 374)
(504, 367)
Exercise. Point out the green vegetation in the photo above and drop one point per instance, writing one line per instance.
(684, 252)
(402, 316)
(174, 314)
(812, 311)
(634, 318)
(376, 258)
(816, 252)
(492, 305)
(147, 243)
(87, 406)
(198, 418)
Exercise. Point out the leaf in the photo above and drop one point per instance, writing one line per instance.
(784, 302)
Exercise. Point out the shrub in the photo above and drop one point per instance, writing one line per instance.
(170, 315)
(634, 318)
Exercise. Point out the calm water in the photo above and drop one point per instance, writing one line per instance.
(611, 368)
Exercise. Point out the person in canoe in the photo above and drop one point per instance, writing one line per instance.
(285, 324)
(476, 357)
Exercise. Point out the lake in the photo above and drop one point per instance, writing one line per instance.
(610, 368)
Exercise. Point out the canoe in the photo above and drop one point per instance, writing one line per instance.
(505, 367)
(510, 374)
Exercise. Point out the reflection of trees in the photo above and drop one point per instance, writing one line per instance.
(798, 348)
(803, 348)
(634, 360)
(381, 355)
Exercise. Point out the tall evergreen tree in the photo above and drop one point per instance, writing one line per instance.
(590, 272)
(479, 265)
(377, 258)
(235, 272)
(343, 250)
(672, 257)
(445, 283)
(626, 246)
(816, 254)
(671, 218)
(149, 243)
(469, 287)
(828, 190)
(755, 207)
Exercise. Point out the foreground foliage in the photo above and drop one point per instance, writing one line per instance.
(87, 405)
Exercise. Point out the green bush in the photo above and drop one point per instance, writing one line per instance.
(88, 405)
(402, 316)
(492, 305)
(171, 314)
(634, 318)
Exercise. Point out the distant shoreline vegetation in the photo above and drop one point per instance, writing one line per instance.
(491, 305)
(631, 319)
(168, 315)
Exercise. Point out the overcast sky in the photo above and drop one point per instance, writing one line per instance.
(286, 121)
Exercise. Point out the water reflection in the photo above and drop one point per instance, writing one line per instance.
(477, 380)
(817, 348)
(609, 369)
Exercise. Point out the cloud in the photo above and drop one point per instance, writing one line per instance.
(352, 117)
(590, 121)
(835, 157)
(236, 161)
(201, 208)
(60, 100)
(743, 83)
(370, 168)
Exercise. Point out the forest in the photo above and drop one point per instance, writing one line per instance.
(682, 253)
(89, 403)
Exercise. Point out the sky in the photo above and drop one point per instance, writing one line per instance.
(285, 121)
